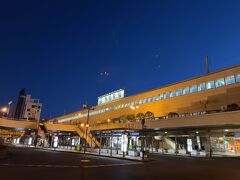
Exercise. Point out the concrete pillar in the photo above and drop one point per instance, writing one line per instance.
(117, 145)
(176, 145)
(208, 145)
(111, 143)
(100, 143)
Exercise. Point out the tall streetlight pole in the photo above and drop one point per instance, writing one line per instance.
(9, 106)
(87, 125)
(4, 110)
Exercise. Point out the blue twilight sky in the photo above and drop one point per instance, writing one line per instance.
(60, 50)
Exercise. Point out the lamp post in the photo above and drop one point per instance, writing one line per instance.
(87, 124)
(9, 106)
(4, 110)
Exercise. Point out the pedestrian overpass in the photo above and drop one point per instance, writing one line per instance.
(208, 121)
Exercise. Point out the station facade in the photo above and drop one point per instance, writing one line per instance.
(199, 116)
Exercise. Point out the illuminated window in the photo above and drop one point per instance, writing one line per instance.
(179, 92)
(150, 99)
(155, 98)
(238, 78)
(140, 101)
(166, 95)
(186, 90)
(160, 96)
(201, 87)
(172, 94)
(220, 82)
(230, 80)
(210, 84)
(128, 104)
(136, 102)
(132, 103)
(193, 89)
(145, 100)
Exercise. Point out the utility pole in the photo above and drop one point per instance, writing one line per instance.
(207, 64)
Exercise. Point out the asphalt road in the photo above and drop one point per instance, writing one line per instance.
(26, 164)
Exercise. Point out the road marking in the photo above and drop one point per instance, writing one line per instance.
(85, 160)
(111, 165)
(71, 166)
(42, 165)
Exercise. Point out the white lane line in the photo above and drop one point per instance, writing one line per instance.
(71, 166)
(111, 165)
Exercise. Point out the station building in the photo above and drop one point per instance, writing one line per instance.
(197, 116)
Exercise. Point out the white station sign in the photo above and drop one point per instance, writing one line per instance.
(111, 96)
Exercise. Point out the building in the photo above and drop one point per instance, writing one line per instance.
(196, 115)
(27, 108)
(18, 112)
(32, 109)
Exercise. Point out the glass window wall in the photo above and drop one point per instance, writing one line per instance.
(230, 80)
(186, 90)
(220, 82)
(210, 85)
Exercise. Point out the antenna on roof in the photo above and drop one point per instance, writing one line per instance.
(207, 64)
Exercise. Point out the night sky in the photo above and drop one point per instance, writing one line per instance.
(69, 52)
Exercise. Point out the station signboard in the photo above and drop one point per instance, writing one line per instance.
(111, 96)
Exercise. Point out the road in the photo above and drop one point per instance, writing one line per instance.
(28, 164)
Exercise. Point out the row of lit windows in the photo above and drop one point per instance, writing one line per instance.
(179, 92)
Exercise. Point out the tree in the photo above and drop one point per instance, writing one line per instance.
(232, 107)
(173, 114)
(130, 117)
(140, 116)
(149, 115)
(123, 118)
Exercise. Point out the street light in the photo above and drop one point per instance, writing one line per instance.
(87, 124)
(9, 106)
(4, 110)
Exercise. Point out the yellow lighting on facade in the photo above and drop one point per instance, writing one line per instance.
(108, 120)
(82, 124)
(87, 125)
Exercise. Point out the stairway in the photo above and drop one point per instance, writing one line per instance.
(90, 139)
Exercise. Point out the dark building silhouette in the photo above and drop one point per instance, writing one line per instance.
(18, 113)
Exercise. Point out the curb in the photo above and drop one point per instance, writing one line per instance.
(135, 160)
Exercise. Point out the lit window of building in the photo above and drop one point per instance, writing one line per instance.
(145, 100)
(136, 102)
(201, 87)
(172, 94)
(155, 98)
(179, 92)
(140, 101)
(220, 82)
(132, 103)
(230, 80)
(210, 84)
(193, 89)
(150, 99)
(186, 90)
(238, 78)
(160, 96)
(166, 95)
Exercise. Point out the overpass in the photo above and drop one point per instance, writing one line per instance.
(214, 120)
(12, 123)
(196, 121)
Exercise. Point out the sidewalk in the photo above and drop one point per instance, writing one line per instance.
(118, 156)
